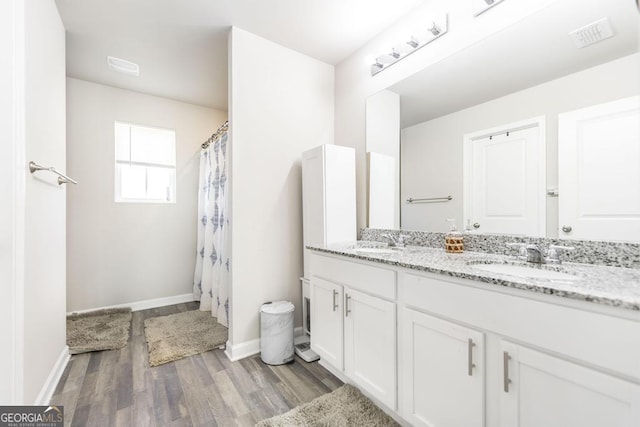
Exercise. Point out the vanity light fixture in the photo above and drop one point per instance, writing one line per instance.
(123, 66)
(376, 68)
(415, 42)
(435, 30)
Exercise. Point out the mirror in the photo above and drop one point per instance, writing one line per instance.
(527, 72)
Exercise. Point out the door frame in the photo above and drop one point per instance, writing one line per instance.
(538, 122)
(13, 173)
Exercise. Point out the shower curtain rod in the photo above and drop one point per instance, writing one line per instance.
(222, 129)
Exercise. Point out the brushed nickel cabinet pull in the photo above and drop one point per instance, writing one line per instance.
(505, 371)
(347, 310)
(470, 364)
(335, 300)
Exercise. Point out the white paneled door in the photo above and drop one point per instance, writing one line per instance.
(504, 181)
(599, 172)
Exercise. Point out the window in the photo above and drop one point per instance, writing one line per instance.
(145, 169)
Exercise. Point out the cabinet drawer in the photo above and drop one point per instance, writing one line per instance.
(372, 280)
(594, 338)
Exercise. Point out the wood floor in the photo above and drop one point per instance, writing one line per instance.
(118, 388)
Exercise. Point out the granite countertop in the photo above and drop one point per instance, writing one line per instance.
(613, 286)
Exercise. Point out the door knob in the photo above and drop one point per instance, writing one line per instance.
(566, 228)
(476, 225)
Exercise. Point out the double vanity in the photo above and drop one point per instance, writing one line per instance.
(479, 339)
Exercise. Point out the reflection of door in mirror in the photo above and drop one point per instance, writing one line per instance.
(504, 176)
(599, 171)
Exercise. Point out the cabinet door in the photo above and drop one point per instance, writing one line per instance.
(370, 344)
(542, 390)
(326, 321)
(442, 372)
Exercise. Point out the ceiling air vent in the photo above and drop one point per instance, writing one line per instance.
(592, 33)
(123, 66)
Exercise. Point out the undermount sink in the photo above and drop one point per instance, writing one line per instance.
(376, 250)
(526, 272)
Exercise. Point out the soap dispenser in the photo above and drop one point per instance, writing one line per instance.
(468, 228)
(453, 240)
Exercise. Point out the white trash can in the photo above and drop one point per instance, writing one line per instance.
(276, 332)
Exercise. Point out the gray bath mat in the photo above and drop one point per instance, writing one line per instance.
(98, 330)
(345, 406)
(180, 335)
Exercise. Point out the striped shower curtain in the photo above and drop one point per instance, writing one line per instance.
(211, 278)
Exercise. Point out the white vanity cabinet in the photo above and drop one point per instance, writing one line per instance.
(448, 352)
(545, 364)
(354, 317)
(442, 369)
(542, 390)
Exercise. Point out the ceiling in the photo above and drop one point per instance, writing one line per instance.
(531, 52)
(181, 46)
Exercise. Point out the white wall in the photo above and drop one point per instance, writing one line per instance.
(44, 231)
(120, 253)
(383, 137)
(281, 104)
(432, 151)
(354, 82)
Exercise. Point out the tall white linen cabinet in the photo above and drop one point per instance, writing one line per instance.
(329, 211)
(328, 197)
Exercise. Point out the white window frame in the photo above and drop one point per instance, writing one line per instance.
(118, 174)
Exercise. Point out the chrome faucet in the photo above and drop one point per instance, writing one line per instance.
(553, 253)
(399, 241)
(535, 254)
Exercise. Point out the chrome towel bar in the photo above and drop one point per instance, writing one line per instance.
(430, 200)
(62, 178)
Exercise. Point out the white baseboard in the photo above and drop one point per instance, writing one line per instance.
(146, 304)
(249, 348)
(44, 397)
(242, 350)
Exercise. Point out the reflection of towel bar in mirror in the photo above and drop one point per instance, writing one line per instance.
(62, 179)
(430, 200)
